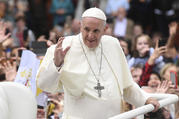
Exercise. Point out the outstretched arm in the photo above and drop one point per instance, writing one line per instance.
(135, 96)
(172, 32)
(48, 75)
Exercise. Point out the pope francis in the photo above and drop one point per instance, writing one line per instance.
(92, 70)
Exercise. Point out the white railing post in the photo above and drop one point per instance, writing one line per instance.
(164, 99)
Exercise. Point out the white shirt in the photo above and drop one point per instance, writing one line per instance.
(120, 28)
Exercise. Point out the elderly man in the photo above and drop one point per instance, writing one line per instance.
(92, 70)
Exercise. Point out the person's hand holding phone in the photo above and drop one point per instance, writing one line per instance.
(173, 84)
(173, 91)
(173, 78)
(161, 42)
(163, 87)
(158, 51)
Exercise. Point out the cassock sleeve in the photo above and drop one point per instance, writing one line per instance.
(135, 95)
(47, 76)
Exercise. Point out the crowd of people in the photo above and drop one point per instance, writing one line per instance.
(147, 31)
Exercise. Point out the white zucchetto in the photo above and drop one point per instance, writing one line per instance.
(94, 12)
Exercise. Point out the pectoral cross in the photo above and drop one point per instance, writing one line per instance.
(99, 88)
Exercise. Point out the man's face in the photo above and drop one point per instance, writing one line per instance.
(121, 13)
(92, 29)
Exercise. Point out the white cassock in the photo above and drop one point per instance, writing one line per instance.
(81, 100)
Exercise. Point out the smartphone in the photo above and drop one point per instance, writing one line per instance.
(173, 78)
(161, 43)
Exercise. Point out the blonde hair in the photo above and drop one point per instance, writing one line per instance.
(164, 69)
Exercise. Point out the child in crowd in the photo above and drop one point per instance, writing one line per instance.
(142, 50)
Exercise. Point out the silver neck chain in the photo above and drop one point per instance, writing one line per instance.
(89, 62)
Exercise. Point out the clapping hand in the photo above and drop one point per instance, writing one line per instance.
(10, 70)
(3, 36)
(163, 87)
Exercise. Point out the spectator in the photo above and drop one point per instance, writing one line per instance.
(141, 12)
(37, 19)
(164, 14)
(60, 10)
(171, 54)
(5, 13)
(23, 36)
(166, 69)
(113, 6)
(141, 51)
(165, 74)
(160, 114)
(126, 46)
(75, 27)
(137, 30)
(123, 27)
(136, 72)
(149, 77)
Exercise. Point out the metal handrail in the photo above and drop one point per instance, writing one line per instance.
(164, 99)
